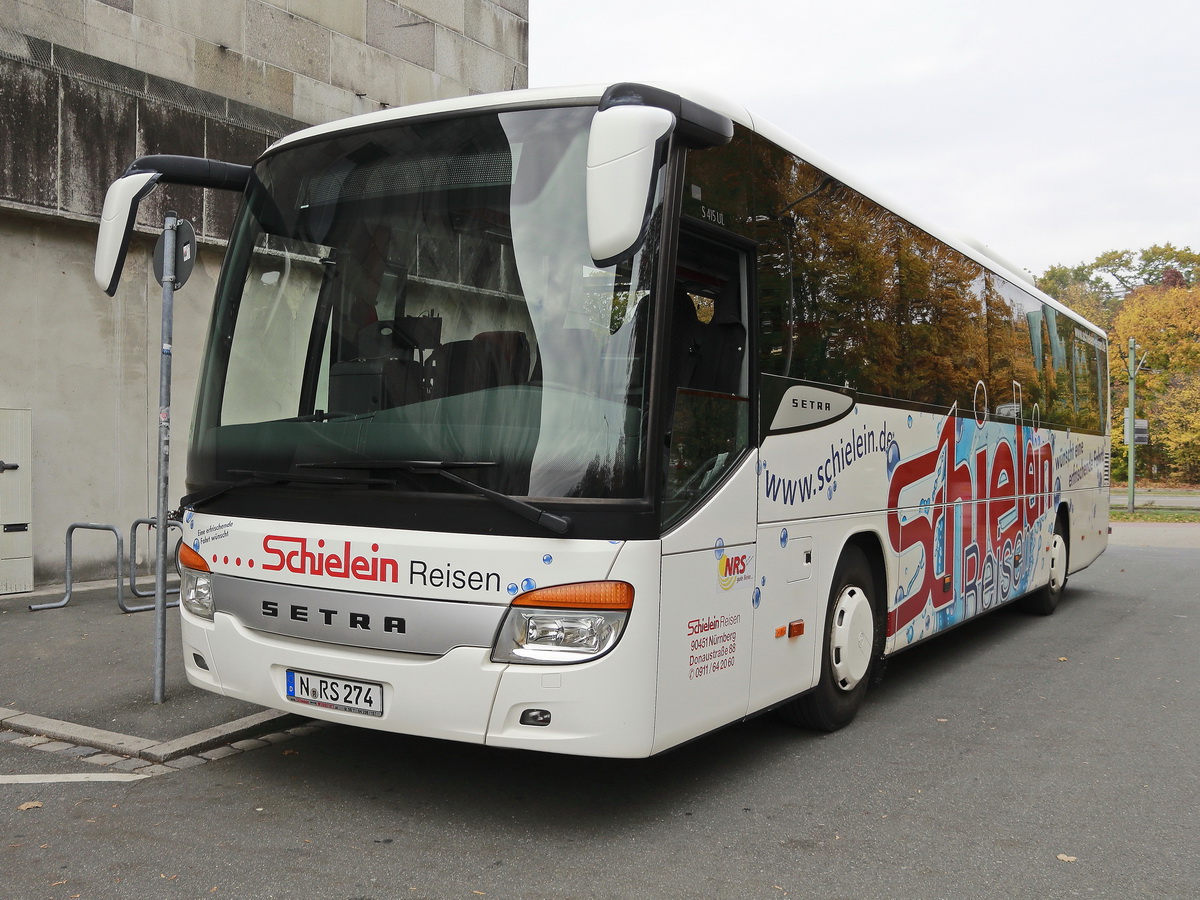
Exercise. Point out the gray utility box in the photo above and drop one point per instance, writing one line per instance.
(16, 507)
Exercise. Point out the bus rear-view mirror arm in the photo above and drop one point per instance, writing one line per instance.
(124, 195)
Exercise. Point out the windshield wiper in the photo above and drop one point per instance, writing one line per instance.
(552, 521)
(326, 416)
(526, 510)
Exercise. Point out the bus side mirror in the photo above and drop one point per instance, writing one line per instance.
(116, 225)
(623, 160)
(124, 195)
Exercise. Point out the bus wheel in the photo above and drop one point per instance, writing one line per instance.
(848, 653)
(1044, 601)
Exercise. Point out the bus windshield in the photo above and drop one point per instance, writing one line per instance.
(423, 293)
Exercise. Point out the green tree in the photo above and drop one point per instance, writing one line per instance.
(1114, 273)
(1058, 281)
(1127, 271)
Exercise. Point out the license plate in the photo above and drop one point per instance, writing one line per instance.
(332, 692)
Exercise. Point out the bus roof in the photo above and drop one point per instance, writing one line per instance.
(587, 94)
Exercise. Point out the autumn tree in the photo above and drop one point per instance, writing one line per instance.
(1152, 295)
(1165, 321)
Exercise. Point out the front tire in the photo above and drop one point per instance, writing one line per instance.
(848, 653)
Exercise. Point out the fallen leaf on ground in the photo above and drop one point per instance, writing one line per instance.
(32, 804)
(1066, 858)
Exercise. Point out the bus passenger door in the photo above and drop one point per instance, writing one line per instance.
(709, 495)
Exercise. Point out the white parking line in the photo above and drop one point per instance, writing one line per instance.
(79, 776)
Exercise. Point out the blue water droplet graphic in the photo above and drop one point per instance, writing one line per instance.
(757, 597)
(783, 538)
(528, 584)
(547, 559)
(719, 548)
(513, 590)
(893, 457)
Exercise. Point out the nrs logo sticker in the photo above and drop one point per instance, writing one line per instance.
(735, 571)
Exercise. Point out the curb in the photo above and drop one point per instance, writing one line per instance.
(126, 752)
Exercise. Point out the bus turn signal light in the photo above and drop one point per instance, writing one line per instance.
(189, 558)
(585, 595)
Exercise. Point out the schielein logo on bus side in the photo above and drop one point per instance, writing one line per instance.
(302, 556)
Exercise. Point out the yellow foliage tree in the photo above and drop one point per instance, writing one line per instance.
(1179, 412)
(1165, 321)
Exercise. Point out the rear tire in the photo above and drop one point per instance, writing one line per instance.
(848, 653)
(1044, 601)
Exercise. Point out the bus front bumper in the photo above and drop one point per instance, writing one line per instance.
(590, 709)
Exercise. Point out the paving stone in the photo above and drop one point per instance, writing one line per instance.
(55, 746)
(81, 752)
(105, 759)
(220, 752)
(154, 769)
(130, 764)
(304, 730)
(186, 762)
(9, 735)
(249, 744)
(31, 740)
(277, 737)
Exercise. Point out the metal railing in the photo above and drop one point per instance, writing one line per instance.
(69, 577)
(149, 523)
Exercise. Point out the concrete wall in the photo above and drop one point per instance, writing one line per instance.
(86, 86)
(87, 366)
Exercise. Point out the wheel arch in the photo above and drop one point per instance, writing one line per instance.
(870, 544)
(1063, 514)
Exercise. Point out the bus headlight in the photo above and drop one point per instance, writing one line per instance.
(568, 623)
(195, 585)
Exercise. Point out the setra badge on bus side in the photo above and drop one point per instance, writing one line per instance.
(807, 406)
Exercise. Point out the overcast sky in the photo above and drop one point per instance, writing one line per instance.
(1052, 130)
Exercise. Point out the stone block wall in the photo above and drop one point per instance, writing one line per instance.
(87, 86)
(310, 60)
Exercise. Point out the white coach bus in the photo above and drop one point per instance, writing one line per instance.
(591, 421)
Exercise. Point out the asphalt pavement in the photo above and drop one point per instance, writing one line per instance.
(1021, 757)
(83, 676)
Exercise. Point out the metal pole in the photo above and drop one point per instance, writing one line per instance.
(1131, 421)
(164, 458)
